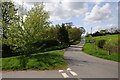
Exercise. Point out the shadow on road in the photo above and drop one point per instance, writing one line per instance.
(72, 49)
(75, 62)
(74, 46)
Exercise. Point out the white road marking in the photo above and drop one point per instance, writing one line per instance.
(68, 69)
(60, 70)
(73, 73)
(65, 75)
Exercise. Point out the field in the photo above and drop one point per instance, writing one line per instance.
(109, 49)
(40, 61)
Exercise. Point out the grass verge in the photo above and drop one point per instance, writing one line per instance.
(93, 50)
(41, 61)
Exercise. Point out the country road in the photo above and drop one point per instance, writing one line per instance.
(87, 66)
(80, 65)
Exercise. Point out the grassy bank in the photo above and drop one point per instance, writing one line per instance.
(41, 61)
(90, 49)
(94, 50)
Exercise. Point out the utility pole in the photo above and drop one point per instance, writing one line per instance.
(91, 30)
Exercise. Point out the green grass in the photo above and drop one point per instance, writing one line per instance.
(93, 49)
(113, 39)
(41, 61)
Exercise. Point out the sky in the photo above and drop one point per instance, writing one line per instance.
(92, 15)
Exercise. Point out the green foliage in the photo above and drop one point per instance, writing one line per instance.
(21, 37)
(110, 47)
(111, 43)
(101, 43)
(40, 61)
(107, 49)
(89, 38)
(51, 32)
(63, 35)
(32, 36)
(8, 12)
(98, 52)
(59, 47)
(8, 16)
(46, 44)
(74, 34)
(36, 23)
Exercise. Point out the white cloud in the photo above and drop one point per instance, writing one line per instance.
(98, 13)
(19, 4)
(59, 9)
(98, 1)
(65, 10)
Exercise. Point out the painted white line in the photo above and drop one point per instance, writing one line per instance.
(65, 75)
(68, 69)
(73, 73)
(60, 71)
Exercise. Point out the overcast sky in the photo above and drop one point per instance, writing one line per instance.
(97, 14)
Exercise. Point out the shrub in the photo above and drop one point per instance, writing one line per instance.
(46, 43)
(101, 43)
(54, 48)
(74, 42)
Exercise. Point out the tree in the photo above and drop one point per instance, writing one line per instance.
(8, 13)
(63, 35)
(74, 34)
(21, 37)
(51, 32)
(68, 25)
(82, 30)
(36, 23)
(8, 17)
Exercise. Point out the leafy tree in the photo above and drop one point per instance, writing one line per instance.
(74, 34)
(51, 33)
(36, 23)
(7, 18)
(8, 15)
(63, 35)
(68, 25)
(21, 37)
(82, 30)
